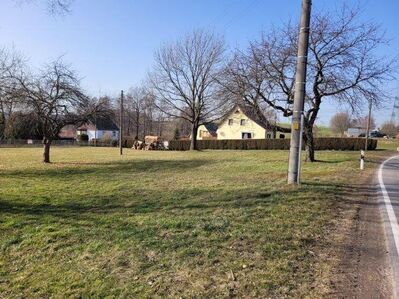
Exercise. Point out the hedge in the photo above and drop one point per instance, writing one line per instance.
(344, 144)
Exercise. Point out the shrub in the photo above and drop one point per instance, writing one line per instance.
(345, 144)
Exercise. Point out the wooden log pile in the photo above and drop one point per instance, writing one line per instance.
(150, 143)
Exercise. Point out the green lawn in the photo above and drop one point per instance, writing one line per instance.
(388, 144)
(164, 224)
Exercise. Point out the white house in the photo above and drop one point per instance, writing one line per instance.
(102, 128)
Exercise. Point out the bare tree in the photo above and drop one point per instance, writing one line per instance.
(54, 96)
(340, 123)
(54, 7)
(362, 121)
(390, 129)
(134, 110)
(184, 79)
(59, 7)
(149, 105)
(10, 64)
(342, 66)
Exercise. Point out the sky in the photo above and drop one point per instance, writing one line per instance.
(111, 43)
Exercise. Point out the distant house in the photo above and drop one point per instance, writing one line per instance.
(68, 132)
(207, 131)
(242, 122)
(100, 129)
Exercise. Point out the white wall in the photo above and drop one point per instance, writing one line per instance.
(101, 133)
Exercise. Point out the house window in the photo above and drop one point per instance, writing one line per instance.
(113, 133)
(246, 135)
(230, 122)
(243, 122)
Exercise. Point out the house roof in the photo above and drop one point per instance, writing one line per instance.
(106, 123)
(251, 113)
(211, 127)
(68, 131)
(102, 123)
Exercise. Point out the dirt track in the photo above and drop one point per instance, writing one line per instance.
(359, 248)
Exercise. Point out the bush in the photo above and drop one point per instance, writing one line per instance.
(344, 144)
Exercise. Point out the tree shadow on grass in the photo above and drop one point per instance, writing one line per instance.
(109, 168)
(179, 201)
(350, 193)
(332, 161)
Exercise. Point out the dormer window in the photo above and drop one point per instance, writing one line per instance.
(243, 122)
(230, 122)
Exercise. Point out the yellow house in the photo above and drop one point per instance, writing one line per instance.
(207, 131)
(243, 122)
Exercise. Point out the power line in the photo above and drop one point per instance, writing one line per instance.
(228, 12)
(240, 14)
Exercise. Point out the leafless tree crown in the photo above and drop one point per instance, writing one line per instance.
(55, 96)
(184, 77)
(342, 66)
(53, 7)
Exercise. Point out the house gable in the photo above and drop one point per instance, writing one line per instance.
(238, 125)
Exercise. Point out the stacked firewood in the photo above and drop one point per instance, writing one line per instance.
(150, 143)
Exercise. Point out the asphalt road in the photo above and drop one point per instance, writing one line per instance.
(388, 179)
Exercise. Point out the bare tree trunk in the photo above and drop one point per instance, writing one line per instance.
(46, 150)
(2, 121)
(309, 143)
(144, 126)
(137, 116)
(161, 129)
(193, 143)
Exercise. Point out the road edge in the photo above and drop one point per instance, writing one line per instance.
(391, 227)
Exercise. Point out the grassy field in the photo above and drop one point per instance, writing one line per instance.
(165, 224)
(388, 144)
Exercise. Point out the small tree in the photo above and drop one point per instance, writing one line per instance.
(363, 121)
(184, 79)
(135, 109)
(340, 123)
(390, 129)
(55, 98)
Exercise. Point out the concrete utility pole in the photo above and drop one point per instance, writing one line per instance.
(368, 126)
(121, 125)
(299, 97)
